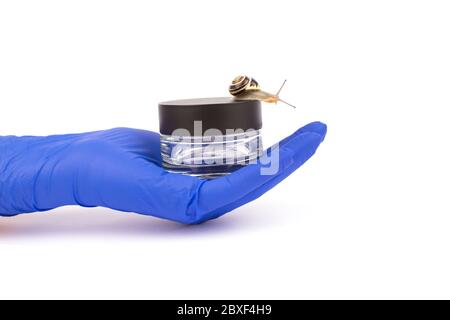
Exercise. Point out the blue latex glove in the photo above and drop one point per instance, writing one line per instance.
(120, 169)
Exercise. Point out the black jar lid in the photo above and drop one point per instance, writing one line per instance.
(214, 113)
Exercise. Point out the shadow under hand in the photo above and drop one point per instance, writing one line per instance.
(76, 221)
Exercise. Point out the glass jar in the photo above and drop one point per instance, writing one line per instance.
(210, 137)
(210, 156)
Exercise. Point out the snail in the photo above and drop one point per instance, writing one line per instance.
(244, 87)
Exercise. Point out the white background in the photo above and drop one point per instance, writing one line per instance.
(367, 217)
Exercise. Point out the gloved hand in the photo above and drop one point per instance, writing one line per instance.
(120, 169)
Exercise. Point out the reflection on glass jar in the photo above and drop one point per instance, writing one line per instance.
(210, 156)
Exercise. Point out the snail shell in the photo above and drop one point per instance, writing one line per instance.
(242, 84)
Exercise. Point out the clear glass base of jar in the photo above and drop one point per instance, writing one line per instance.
(209, 157)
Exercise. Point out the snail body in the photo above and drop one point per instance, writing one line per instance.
(247, 88)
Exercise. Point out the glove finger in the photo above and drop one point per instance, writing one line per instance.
(254, 194)
(276, 179)
(222, 195)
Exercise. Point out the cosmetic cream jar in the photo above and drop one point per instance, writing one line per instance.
(210, 137)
